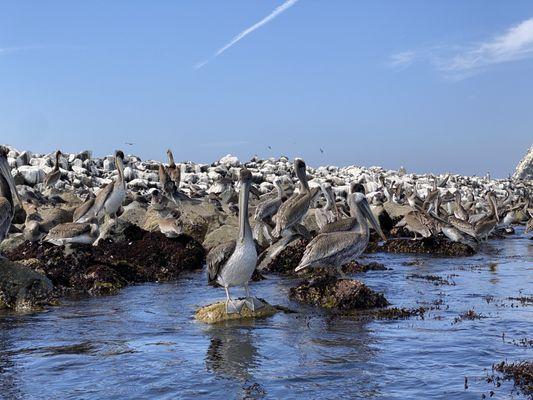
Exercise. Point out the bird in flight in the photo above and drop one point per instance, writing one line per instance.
(129, 143)
(322, 151)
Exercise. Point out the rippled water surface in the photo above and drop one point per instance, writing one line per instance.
(144, 342)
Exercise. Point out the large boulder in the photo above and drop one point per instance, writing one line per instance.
(32, 174)
(524, 169)
(22, 289)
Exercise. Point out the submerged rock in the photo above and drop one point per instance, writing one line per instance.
(340, 294)
(22, 289)
(142, 257)
(216, 313)
(435, 246)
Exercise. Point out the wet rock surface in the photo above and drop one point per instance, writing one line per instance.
(104, 269)
(434, 246)
(339, 294)
(22, 289)
(216, 313)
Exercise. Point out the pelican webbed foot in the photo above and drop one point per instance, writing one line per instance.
(234, 306)
(253, 303)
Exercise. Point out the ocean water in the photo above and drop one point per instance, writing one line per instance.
(145, 344)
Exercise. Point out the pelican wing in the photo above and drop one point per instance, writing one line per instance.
(102, 196)
(267, 209)
(6, 214)
(341, 225)
(68, 230)
(51, 178)
(217, 257)
(296, 209)
(326, 245)
(83, 209)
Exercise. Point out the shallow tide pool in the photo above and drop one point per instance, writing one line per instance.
(144, 342)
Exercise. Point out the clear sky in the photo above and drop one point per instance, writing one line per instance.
(432, 85)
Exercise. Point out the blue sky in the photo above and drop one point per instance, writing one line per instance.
(432, 85)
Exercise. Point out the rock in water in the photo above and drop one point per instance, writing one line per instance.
(215, 313)
(524, 169)
(22, 289)
(339, 294)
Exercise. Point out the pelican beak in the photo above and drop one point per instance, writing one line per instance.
(367, 212)
(6, 172)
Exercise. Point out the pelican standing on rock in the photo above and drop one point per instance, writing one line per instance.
(173, 170)
(110, 198)
(267, 209)
(53, 176)
(233, 263)
(338, 248)
(8, 194)
(294, 209)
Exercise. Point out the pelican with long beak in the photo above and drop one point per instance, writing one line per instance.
(173, 170)
(232, 263)
(338, 248)
(8, 194)
(110, 198)
(292, 212)
(266, 210)
(53, 176)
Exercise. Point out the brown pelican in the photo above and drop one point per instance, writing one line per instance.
(294, 209)
(169, 225)
(484, 227)
(8, 194)
(72, 232)
(167, 185)
(173, 171)
(110, 198)
(33, 229)
(326, 214)
(418, 223)
(233, 263)
(460, 212)
(53, 176)
(338, 248)
(81, 211)
(266, 210)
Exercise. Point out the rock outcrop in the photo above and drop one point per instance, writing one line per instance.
(524, 169)
(22, 289)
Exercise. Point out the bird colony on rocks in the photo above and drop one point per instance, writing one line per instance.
(75, 223)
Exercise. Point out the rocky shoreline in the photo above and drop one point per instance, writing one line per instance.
(133, 250)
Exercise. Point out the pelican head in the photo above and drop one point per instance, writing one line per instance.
(170, 158)
(245, 176)
(5, 171)
(359, 200)
(299, 168)
(357, 187)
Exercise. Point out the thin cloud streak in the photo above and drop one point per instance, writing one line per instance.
(277, 11)
(462, 61)
(402, 59)
(515, 44)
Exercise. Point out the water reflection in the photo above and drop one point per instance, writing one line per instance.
(231, 352)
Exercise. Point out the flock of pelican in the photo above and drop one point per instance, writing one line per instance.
(463, 211)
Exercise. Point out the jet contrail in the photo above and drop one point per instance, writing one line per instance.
(246, 32)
